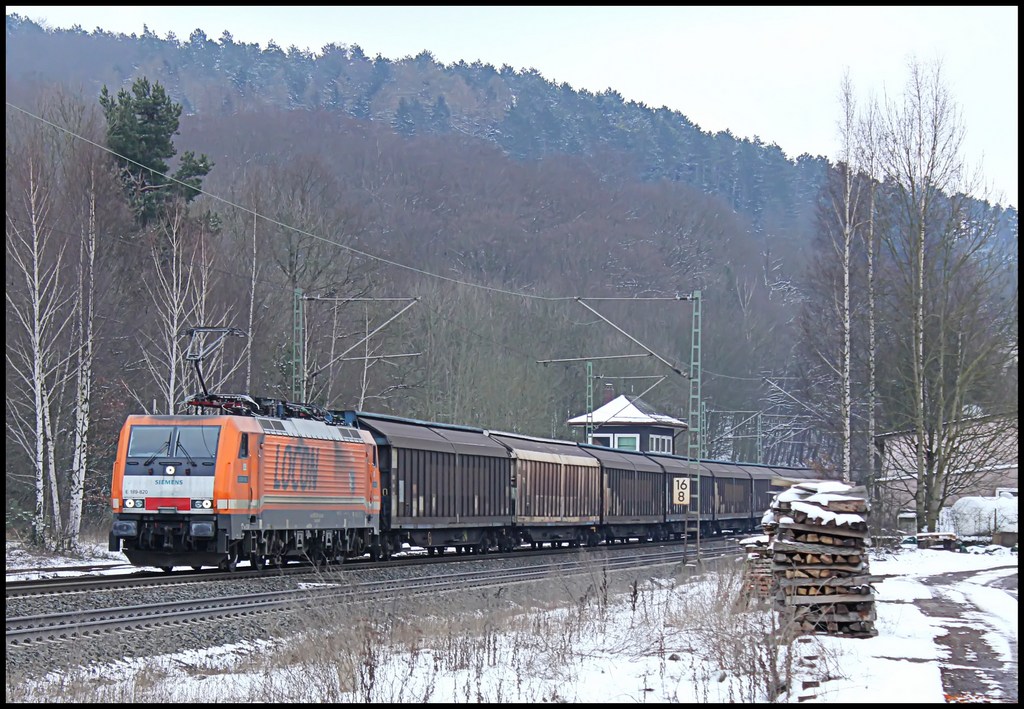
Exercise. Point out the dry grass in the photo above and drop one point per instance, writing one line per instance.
(524, 643)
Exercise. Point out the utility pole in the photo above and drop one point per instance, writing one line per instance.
(298, 349)
(590, 382)
(694, 428)
(694, 436)
(589, 433)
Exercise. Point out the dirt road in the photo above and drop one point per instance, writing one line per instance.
(976, 669)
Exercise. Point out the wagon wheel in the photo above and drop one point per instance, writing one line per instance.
(258, 562)
(230, 563)
(167, 569)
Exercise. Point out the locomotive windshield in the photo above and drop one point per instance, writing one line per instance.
(149, 440)
(197, 441)
(175, 441)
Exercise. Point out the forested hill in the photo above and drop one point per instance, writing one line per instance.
(497, 199)
(523, 113)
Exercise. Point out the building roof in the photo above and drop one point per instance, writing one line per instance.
(621, 410)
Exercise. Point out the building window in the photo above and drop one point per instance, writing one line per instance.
(627, 441)
(660, 444)
(605, 441)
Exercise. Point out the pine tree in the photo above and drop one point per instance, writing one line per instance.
(140, 127)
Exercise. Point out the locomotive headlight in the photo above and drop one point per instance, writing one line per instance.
(202, 504)
(129, 503)
(207, 504)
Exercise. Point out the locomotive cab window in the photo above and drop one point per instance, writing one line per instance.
(149, 440)
(189, 442)
(197, 441)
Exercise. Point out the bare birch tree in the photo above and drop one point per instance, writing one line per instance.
(175, 253)
(846, 216)
(39, 304)
(945, 289)
(867, 146)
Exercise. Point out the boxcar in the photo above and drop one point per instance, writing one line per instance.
(632, 494)
(761, 496)
(443, 485)
(557, 489)
(732, 496)
(684, 483)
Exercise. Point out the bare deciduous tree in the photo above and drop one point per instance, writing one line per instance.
(944, 286)
(40, 308)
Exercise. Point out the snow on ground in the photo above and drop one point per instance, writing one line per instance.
(616, 663)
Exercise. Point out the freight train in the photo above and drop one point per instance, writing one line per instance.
(269, 481)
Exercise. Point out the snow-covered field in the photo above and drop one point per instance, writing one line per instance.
(617, 654)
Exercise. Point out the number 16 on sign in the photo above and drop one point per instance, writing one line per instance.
(680, 491)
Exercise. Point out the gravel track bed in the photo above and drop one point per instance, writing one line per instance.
(41, 657)
(38, 659)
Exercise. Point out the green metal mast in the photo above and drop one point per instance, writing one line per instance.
(590, 402)
(298, 358)
(695, 437)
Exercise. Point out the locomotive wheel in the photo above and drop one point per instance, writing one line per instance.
(230, 563)
(167, 569)
(196, 568)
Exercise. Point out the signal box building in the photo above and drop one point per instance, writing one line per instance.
(631, 424)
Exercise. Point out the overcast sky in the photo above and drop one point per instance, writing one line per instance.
(770, 72)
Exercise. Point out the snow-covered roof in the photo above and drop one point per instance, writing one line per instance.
(621, 410)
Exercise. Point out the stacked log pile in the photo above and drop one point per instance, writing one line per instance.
(758, 581)
(820, 558)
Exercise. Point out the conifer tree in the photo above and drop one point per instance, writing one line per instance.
(140, 129)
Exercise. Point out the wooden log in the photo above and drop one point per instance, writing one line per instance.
(852, 506)
(789, 545)
(839, 600)
(858, 581)
(812, 616)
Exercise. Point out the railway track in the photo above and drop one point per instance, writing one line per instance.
(316, 587)
(135, 578)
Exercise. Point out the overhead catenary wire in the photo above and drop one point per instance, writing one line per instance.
(270, 220)
(365, 254)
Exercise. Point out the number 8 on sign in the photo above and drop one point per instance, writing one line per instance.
(681, 491)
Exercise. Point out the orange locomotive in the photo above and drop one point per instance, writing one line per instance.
(210, 490)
